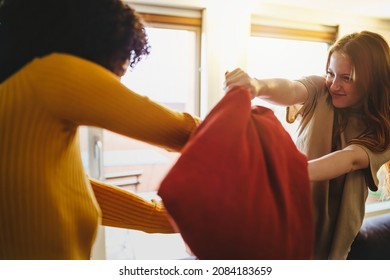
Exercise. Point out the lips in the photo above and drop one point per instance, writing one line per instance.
(337, 94)
(338, 99)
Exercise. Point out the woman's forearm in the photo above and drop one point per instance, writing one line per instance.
(338, 163)
(281, 91)
(124, 209)
(278, 91)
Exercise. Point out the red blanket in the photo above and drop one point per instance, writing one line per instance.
(240, 189)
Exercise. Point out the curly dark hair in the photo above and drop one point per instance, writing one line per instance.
(103, 31)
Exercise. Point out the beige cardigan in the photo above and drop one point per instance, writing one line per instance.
(339, 205)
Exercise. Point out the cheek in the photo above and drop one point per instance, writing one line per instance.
(357, 96)
(360, 95)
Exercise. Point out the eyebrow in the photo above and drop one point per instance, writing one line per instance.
(350, 74)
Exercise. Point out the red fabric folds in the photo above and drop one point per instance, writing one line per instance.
(240, 189)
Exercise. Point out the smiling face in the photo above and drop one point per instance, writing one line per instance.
(340, 80)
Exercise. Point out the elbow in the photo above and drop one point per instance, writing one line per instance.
(355, 165)
(358, 158)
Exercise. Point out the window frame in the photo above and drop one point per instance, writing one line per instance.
(181, 23)
(264, 26)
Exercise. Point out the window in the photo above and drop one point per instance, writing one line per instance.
(279, 48)
(284, 58)
(170, 76)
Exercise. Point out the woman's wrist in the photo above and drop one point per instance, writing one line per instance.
(255, 87)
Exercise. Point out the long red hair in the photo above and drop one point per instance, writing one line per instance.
(370, 55)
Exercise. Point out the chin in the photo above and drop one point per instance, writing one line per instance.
(339, 106)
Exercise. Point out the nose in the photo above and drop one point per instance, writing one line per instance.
(335, 84)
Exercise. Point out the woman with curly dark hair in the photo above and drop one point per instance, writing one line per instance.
(60, 68)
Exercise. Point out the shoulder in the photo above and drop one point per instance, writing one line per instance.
(313, 83)
(316, 92)
(378, 158)
(61, 63)
(376, 161)
(59, 70)
(316, 102)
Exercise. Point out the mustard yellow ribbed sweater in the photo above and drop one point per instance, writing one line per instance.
(47, 206)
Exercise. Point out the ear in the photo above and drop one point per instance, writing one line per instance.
(119, 66)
